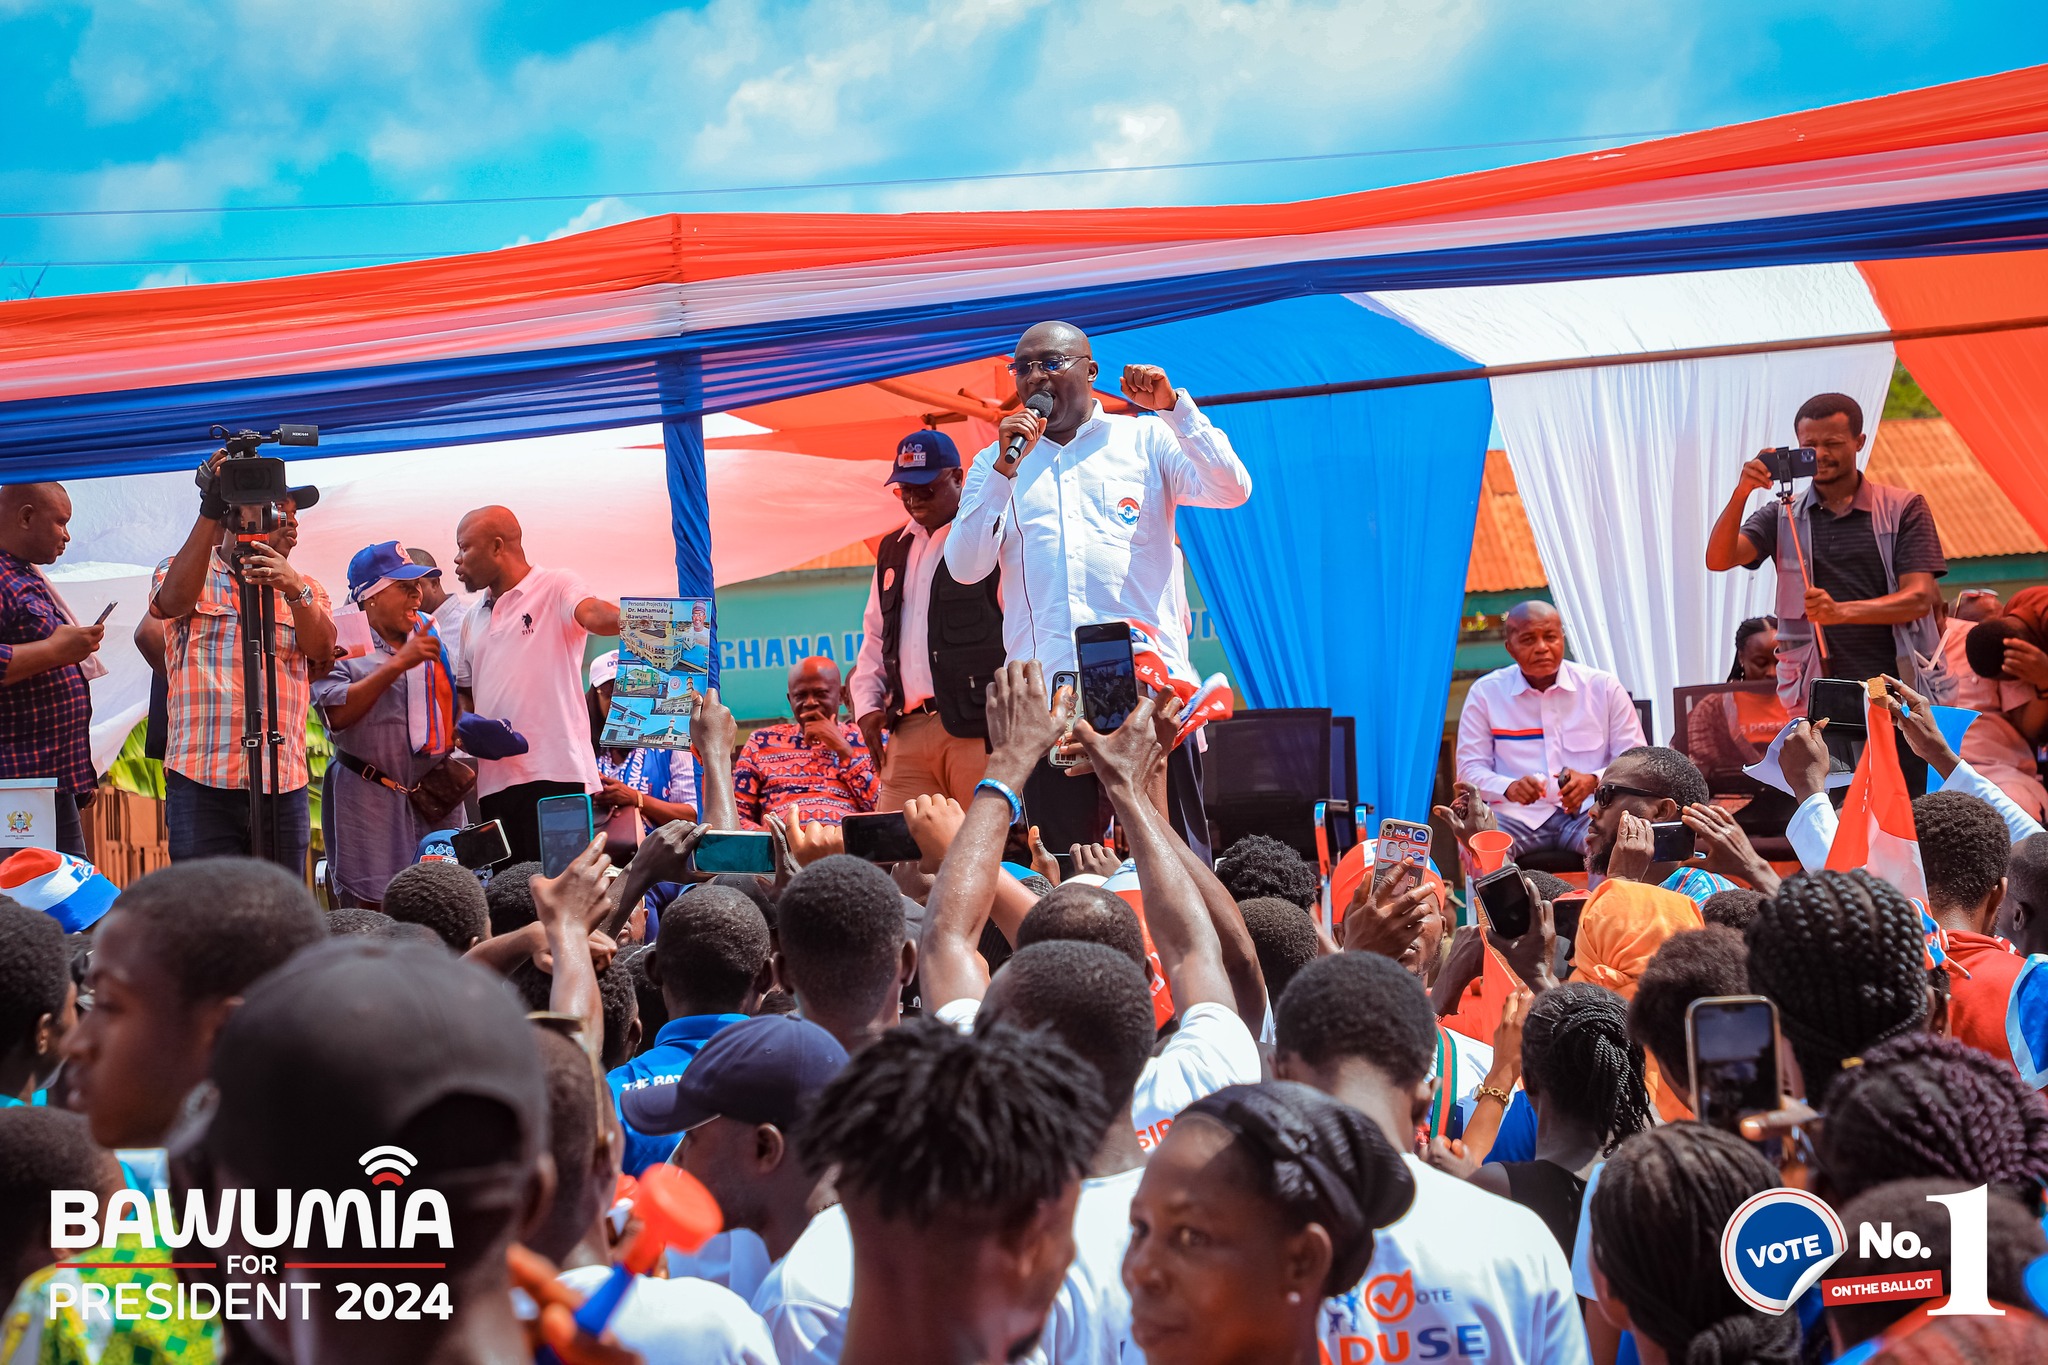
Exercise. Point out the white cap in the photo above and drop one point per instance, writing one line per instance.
(604, 668)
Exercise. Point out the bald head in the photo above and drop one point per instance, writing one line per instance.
(1072, 389)
(488, 552)
(1063, 337)
(814, 690)
(34, 518)
(1535, 641)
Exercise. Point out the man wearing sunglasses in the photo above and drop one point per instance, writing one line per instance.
(932, 643)
(1081, 524)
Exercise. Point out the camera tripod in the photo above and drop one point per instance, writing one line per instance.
(1784, 495)
(257, 605)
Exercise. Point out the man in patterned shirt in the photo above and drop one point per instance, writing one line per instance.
(45, 706)
(206, 776)
(818, 763)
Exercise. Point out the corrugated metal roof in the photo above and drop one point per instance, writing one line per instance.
(1503, 547)
(1975, 519)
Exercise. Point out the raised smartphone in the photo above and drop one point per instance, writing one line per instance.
(1504, 896)
(482, 845)
(883, 838)
(1731, 1043)
(1673, 842)
(1398, 841)
(1109, 676)
(565, 831)
(734, 850)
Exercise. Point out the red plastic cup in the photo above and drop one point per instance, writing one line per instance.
(1490, 850)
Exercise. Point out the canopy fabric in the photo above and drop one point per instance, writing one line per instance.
(569, 335)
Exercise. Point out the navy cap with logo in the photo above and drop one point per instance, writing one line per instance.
(922, 456)
(766, 1069)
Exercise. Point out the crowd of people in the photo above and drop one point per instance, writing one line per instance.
(1063, 1088)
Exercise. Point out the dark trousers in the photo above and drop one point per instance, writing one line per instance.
(1073, 810)
(213, 822)
(516, 806)
(70, 833)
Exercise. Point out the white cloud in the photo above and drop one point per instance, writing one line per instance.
(168, 279)
(596, 214)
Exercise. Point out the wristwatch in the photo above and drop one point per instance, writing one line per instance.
(305, 595)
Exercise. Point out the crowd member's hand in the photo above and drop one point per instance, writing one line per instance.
(1021, 722)
(1576, 789)
(1148, 387)
(1467, 815)
(1023, 422)
(871, 734)
(934, 822)
(1042, 862)
(1448, 1155)
(73, 643)
(614, 793)
(1123, 757)
(826, 731)
(1916, 721)
(1524, 791)
(1634, 843)
(1727, 849)
(1823, 609)
(712, 727)
(1533, 954)
(1384, 921)
(2028, 663)
(1803, 759)
(1462, 966)
(603, 948)
(419, 648)
(580, 897)
(1755, 475)
(810, 840)
(664, 855)
(786, 865)
(266, 568)
(1506, 1071)
(1097, 860)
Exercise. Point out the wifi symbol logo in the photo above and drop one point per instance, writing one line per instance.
(387, 1165)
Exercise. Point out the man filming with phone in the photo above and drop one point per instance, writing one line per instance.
(46, 658)
(196, 592)
(1076, 506)
(1856, 560)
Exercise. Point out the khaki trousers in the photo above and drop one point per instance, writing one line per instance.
(923, 760)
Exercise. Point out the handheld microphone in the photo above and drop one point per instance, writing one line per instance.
(1039, 403)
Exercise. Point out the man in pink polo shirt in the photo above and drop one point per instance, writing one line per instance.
(522, 659)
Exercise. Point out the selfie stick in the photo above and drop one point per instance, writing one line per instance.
(1799, 555)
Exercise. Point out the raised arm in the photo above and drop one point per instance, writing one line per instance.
(712, 732)
(975, 544)
(1189, 951)
(567, 907)
(1727, 547)
(598, 616)
(1202, 470)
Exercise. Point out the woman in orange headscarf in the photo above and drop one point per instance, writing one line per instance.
(1621, 929)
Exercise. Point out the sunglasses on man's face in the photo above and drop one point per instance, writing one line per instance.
(1608, 792)
(1052, 364)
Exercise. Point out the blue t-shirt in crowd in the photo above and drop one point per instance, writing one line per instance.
(675, 1045)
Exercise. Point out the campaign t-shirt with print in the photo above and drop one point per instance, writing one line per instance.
(1464, 1275)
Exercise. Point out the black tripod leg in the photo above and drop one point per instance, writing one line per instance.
(253, 727)
(276, 735)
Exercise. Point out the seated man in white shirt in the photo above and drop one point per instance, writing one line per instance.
(1082, 526)
(1534, 736)
(1463, 1274)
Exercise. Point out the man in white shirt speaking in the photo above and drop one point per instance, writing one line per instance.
(1081, 524)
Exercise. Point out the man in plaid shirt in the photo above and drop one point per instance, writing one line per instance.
(196, 595)
(45, 707)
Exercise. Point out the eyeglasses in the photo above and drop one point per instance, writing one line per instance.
(1052, 364)
(1606, 792)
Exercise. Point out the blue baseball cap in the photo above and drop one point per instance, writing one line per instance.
(766, 1069)
(379, 562)
(922, 456)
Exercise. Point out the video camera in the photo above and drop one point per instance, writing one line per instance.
(247, 479)
(1787, 463)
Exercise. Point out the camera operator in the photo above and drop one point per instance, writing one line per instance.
(196, 594)
(1870, 556)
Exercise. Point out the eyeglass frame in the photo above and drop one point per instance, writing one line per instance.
(1050, 366)
(1606, 792)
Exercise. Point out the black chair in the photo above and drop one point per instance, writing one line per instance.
(1704, 735)
(1264, 772)
(1344, 759)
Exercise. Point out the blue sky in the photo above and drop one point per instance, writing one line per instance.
(133, 104)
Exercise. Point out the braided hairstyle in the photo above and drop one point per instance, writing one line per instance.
(1657, 1216)
(1755, 625)
(1577, 1052)
(1927, 1106)
(1843, 956)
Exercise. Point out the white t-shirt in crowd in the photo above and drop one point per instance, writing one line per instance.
(803, 1300)
(681, 1322)
(1463, 1275)
(1211, 1049)
(1090, 1322)
(737, 1259)
(522, 660)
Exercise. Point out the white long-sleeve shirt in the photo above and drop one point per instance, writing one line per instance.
(869, 683)
(1811, 830)
(1509, 730)
(1091, 536)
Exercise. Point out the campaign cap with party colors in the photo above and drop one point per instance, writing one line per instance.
(377, 565)
(437, 847)
(766, 1069)
(604, 668)
(67, 889)
(922, 456)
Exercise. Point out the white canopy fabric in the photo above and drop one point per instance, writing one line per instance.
(1622, 469)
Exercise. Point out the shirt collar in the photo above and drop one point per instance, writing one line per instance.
(694, 1028)
(1565, 681)
(1863, 501)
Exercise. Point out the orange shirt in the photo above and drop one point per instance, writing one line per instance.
(1976, 1007)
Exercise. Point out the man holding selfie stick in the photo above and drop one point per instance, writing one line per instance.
(46, 658)
(1076, 506)
(1856, 561)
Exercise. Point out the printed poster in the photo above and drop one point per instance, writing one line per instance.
(664, 667)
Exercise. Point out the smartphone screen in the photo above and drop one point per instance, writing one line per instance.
(1673, 842)
(1399, 840)
(1505, 899)
(481, 845)
(1733, 1042)
(565, 831)
(1109, 677)
(880, 838)
(734, 850)
(1838, 701)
